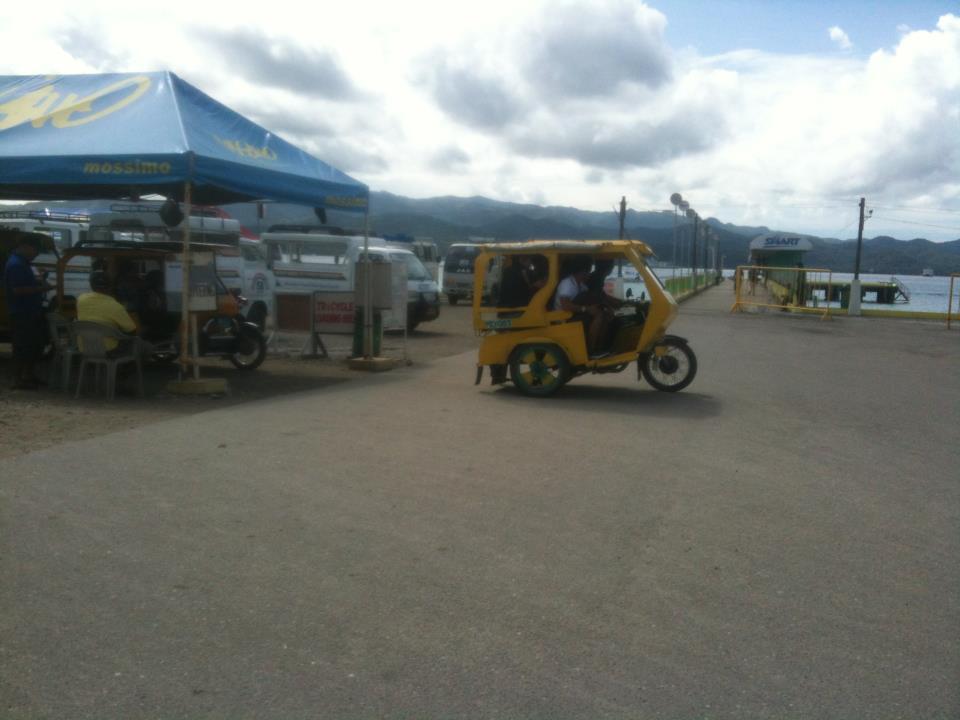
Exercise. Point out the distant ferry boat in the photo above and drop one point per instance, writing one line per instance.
(927, 272)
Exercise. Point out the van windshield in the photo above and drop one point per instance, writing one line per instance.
(460, 259)
(415, 268)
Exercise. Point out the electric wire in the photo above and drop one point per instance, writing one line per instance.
(913, 222)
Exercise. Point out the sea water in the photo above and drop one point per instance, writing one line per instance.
(927, 294)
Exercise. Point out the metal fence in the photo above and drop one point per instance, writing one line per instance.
(758, 288)
(953, 276)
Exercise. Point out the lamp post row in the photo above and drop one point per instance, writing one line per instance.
(701, 242)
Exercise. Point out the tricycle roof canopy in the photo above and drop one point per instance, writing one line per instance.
(128, 134)
(566, 246)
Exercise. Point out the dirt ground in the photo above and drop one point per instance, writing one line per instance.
(31, 420)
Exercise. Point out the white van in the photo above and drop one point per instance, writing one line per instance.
(458, 271)
(303, 262)
(425, 249)
(257, 281)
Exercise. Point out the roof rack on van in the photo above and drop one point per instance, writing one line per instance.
(154, 207)
(399, 238)
(42, 215)
(165, 245)
(315, 229)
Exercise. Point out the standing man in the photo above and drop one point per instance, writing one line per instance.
(25, 294)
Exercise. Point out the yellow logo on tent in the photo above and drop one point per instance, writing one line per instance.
(46, 104)
(332, 201)
(245, 149)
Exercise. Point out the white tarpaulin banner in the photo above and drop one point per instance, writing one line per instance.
(396, 317)
(203, 282)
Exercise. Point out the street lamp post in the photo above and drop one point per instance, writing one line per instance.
(675, 200)
(684, 207)
(692, 214)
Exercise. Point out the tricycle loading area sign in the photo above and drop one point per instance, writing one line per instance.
(203, 281)
(333, 312)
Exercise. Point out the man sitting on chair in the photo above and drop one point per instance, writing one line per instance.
(100, 307)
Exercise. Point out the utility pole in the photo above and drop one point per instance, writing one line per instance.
(856, 265)
(623, 219)
(853, 306)
(623, 214)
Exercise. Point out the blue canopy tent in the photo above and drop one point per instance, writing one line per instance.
(125, 135)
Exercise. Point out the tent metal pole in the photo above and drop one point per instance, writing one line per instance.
(185, 291)
(367, 289)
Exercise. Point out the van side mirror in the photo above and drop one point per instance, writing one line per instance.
(629, 292)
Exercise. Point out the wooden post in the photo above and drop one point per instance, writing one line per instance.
(368, 289)
(196, 346)
(185, 291)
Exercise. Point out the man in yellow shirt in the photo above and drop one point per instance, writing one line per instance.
(100, 307)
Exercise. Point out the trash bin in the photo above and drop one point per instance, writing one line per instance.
(358, 333)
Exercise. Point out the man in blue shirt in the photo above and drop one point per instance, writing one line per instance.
(25, 294)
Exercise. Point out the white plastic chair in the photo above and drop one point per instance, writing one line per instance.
(64, 350)
(91, 339)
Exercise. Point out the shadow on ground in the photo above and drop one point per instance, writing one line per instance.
(634, 401)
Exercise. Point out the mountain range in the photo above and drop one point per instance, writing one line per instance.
(459, 219)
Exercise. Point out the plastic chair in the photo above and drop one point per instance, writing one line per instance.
(91, 339)
(64, 349)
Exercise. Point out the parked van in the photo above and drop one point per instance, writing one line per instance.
(425, 249)
(257, 282)
(458, 271)
(304, 261)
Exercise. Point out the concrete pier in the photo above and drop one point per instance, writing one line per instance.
(771, 542)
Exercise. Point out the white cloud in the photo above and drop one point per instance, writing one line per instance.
(591, 49)
(838, 36)
(567, 102)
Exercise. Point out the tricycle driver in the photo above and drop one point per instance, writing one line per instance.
(591, 314)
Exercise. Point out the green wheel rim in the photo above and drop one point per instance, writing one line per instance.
(540, 368)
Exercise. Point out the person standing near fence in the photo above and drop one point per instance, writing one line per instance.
(801, 298)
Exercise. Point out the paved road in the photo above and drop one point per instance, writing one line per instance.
(780, 540)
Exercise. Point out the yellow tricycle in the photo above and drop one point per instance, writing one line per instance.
(546, 312)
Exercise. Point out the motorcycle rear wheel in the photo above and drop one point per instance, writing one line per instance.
(251, 349)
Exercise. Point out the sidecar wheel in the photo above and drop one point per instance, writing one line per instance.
(673, 368)
(539, 369)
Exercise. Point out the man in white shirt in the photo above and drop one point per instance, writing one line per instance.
(592, 315)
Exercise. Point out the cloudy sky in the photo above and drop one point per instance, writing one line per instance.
(774, 112)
